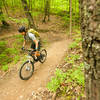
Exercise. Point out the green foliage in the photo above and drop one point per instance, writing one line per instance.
(19, 39)
(78, 40)
(2, 17)
(59, 7)
(76, 75)
(16, 58)
(5, 58)
(19, 21)
(18, 42)
(82, 65)
(3, 51)
(19, 36)
(56, 81)
(72, 58)
(2, 46)
(6, 54)
(1, 4)
(78, 32)
(35, 13)
(73, 45)
(5, 67)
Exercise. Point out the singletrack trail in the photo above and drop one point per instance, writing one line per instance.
(13, 88)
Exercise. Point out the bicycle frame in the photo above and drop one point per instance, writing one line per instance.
(30, 55)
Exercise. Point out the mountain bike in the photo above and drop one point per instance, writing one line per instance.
(27, 68)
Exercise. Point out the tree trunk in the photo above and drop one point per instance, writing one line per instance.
(47, 10)
(30, 5)
(70, 17)
(28, 14)
(90, 27)
(75, 14)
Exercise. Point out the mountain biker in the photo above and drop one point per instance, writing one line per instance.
(30, 36)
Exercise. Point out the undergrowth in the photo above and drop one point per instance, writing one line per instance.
(69, 78)
(10, 53)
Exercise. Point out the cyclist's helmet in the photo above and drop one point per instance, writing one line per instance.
(22, 29)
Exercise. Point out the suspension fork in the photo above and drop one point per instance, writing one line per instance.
(29, 58)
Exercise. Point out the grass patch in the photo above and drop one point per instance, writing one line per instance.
(56, 81)
(7, 54)
(5, 67)
(78, 40)
(72, 58)
(76, 75)
(19, 21)
(16, 59)
(2, 46)
(74, 45)
(36, 13)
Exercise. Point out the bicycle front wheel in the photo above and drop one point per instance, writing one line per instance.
(26, 70)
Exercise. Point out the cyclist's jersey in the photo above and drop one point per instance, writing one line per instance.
(30, 37)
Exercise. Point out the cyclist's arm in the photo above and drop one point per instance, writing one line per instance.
(24, 43)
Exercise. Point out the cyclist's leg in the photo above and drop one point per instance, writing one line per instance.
(39, 46)
(33, 46)
(38, 53)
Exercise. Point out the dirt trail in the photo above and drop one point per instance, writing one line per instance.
(13, 88)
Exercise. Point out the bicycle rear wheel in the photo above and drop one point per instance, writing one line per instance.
(43, 55)
(26, 70)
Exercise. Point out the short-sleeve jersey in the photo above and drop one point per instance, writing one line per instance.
(30, 36)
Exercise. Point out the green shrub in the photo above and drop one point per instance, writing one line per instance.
(6, 54)
(56, 81)
(5, 68)
(2, 46)
(78, 40)
(16, 58)
(73, 45)
(72, 58)
(18, 36)
(19, 21)
(77, 75)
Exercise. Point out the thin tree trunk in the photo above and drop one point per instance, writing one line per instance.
(69, 6)
(70, 17)
(90, 27)
(30, 5)
(28, 14)
(75, 15)
(47, 10)
(12, 3)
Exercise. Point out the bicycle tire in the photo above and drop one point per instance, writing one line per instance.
(20, 71)
(43, 56)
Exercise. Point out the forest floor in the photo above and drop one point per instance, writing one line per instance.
(13, 88)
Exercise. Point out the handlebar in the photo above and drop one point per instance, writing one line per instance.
(29, 50)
